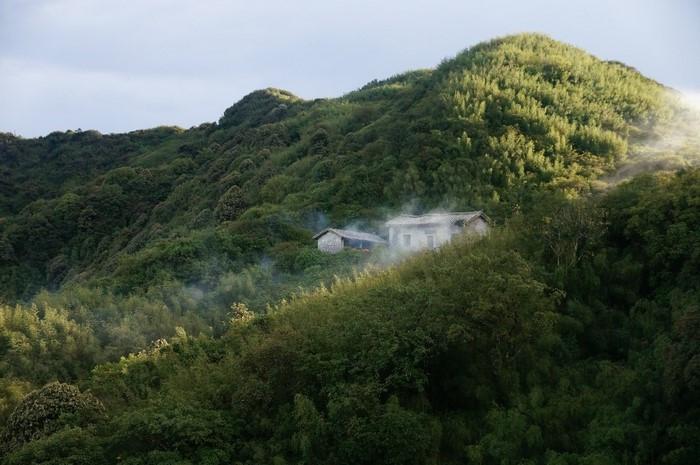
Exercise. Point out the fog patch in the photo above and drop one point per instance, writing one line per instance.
(316, 221)
(671, 145)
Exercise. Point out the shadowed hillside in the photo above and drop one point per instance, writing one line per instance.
(568, 337)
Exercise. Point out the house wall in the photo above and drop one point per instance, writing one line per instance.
(330, 243)
(478, 226)
(420, 236)
(440, 233)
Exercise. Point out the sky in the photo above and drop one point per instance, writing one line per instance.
(121, 65)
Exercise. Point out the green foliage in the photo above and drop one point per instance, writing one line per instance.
(487, 129)
(506, 350)
(69, 446)
(231, 204)
(48, 410)
(179, 273)
(259, 107)
(41, 344)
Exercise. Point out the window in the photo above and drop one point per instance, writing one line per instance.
(407, 240)
(431, 241)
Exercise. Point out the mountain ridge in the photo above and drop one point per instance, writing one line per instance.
(483, 130)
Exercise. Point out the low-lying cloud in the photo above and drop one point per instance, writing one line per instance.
(672, 145)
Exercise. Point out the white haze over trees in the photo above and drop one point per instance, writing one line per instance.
(669, 146)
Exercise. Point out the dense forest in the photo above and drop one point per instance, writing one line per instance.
(162, 301)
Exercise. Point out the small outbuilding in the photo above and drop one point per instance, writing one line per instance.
(332, 240)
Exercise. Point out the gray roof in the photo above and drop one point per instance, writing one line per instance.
(435, 218)
(354, 235)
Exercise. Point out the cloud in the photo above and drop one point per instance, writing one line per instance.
(691, 98)
(671, 145)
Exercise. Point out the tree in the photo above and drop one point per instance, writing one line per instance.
(231, 204)
(47, 410)
(569, 231)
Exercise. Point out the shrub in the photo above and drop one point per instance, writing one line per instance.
(47, 410)
(231, 204)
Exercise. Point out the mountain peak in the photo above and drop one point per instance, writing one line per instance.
(259, 106)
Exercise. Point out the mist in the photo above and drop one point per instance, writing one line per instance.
(670, 145)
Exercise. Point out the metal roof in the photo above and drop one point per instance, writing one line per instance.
(354, 235)
(435, 218)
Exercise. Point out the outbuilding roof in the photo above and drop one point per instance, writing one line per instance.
(436, 218)
(353, 235)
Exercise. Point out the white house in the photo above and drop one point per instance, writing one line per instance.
(334, 240)
(410, 232)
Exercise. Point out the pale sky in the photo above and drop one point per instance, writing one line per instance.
(120, 65)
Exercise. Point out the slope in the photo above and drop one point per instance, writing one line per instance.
(571, 349)
(485, 130)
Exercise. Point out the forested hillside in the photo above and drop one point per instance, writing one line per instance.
(569, 336)
(483, 130)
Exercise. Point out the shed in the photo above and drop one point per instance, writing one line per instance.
(334, 240)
